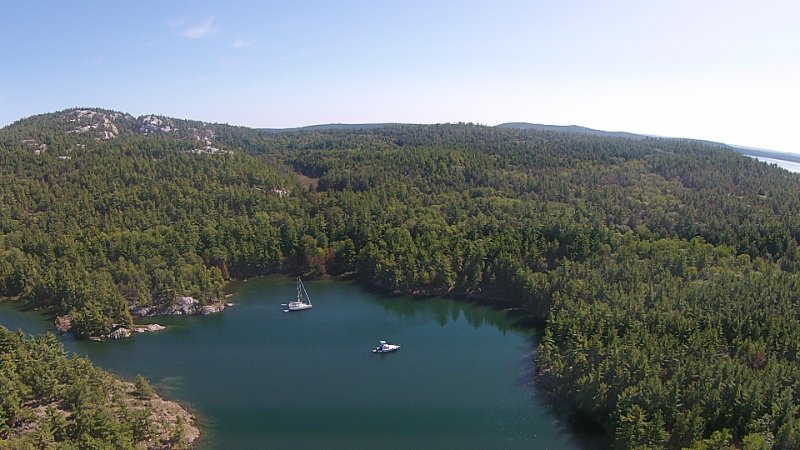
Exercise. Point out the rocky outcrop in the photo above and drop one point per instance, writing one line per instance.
(100, 124)
(185, 305)
(211, 309)
(123, 332)
(119, 333)
(63, 323)
(149, 328)
(32, 144)
(167, 416)
(182, 306)
(169, 425)
(206, 138)
(150, 124)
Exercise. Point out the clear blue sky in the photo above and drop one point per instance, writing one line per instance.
(720, 70)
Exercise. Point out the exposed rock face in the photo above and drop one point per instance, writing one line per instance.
(167, 415)
(211, 309)
(37, 147)
(185, 305)
(119, 333)
(182, 306)
(122, 332)
(202, 134)
(63, 323)
(167, 418)
(209, 150)
(103, 125)
(206, 138)
(143, 311)
(153, 124)
(100, 123)
(149, 328)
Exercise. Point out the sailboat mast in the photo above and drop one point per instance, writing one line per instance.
(300, 303)
(306, 292)
(299, 291)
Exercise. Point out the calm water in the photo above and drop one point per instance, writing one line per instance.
(259, 377)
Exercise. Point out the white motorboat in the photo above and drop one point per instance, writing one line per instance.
(383, 347)
(303, 301)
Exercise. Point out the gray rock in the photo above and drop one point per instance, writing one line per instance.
(63, 323)
(143, 311)
(149, 327)
(185, 305)
(181, 306)
(119, 333)
(209, 309)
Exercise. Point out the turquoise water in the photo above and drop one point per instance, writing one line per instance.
(262, 378)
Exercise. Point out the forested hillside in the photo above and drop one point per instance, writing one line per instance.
(665, 270)
(50, 401)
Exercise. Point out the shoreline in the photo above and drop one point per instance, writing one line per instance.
(523, 317)
(168, 415)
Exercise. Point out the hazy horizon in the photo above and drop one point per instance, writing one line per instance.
(717, 71)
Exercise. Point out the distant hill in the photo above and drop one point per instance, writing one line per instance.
(749, 151)
(333, 126)
(513, 125)
(569, 129)
(102, 124)
(572, 129)
(60, 132)
(761, 153)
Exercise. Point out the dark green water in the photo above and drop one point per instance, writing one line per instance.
(262, 378)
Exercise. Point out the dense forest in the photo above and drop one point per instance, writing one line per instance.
(50, 401)
(665, 271)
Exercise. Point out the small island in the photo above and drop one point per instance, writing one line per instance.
(181, 306)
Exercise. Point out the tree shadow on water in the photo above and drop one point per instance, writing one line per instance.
(584, 432)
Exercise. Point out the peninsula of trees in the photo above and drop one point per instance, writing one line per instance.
(50, 401)
(665, 271)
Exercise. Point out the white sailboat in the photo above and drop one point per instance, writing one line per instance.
(383, 347)
(303, 301)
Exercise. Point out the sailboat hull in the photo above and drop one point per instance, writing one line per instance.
(297, 306)
(303, 301)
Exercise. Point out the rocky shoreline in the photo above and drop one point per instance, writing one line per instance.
(182, 306)
(170, 418)
(173, 426)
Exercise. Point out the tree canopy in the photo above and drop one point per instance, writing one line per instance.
(50, 401)
(665, 270)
